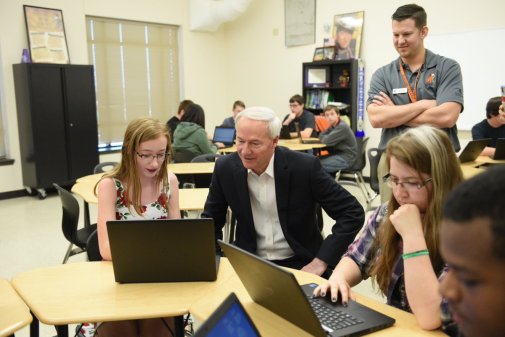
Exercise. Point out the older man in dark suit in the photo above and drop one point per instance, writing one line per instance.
(273, 193)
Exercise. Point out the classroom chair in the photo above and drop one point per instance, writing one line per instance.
(374, 155)
(70, 222)
(104, 167)
(354, 175)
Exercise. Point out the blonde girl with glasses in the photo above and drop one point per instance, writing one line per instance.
(139, 187)
(399, 246)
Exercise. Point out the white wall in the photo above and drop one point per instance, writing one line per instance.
(246, 59)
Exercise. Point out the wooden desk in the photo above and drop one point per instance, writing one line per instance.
(176, 168)
(87, 292)
(14, 314)
(57, 297)
(190, 199)
(471, 169)
(269, 324)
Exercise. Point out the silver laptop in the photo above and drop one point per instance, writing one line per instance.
(277, 290)
(179, 250)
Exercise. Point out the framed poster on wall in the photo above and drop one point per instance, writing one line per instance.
(300, 22)
(46, 35)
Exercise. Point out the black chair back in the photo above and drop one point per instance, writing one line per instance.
(70, 222)
(92, 248)
(70, 219)
(374, 155)
(360, 162)
(183, 156)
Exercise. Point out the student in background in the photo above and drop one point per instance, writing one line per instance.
(492, 127)
(399, 247)
(139, 187)
(304, 118)
(417, 88)
(230, 121)
(190, 134)
(342, 146)
(273, 192)
(174, 121)
(473, 246)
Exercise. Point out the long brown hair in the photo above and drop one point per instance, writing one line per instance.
(427, 150)
(138, 131)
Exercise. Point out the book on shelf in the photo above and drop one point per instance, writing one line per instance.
(318, 99)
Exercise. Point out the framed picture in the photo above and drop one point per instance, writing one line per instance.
(346, 35)
(46, 35)
(323, 53)
(318, 54)
(300, 22)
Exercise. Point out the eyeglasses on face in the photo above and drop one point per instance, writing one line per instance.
(410, 185)
(160, 157)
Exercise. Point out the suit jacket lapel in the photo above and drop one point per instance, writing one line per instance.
(282, 185)
(240, 183)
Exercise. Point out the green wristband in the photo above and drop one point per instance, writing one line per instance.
(414, 254)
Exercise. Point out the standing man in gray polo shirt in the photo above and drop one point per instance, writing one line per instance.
(418, 88)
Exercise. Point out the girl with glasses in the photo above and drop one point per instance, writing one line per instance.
(399, 246)
(139, 187)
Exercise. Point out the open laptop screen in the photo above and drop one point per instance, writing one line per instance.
(224, 135)
(229, 320)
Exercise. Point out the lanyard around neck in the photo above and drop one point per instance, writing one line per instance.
(412, 93)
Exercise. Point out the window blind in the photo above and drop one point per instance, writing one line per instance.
(136, 68)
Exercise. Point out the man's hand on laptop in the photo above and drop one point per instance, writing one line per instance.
(316, 266)
(219, 145)
(338, 289)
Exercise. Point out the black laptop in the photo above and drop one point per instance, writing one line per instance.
(285, 134)
(304, 141)
(229, 320)
(473, 149)
(277, 290)
(225, 135)
(499, 153)
(179, 250)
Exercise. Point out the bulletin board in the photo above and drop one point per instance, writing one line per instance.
(481, 55)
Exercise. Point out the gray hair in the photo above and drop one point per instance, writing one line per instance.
(259, 113)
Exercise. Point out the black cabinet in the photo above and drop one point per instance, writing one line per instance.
(332, 81)
(58, 133)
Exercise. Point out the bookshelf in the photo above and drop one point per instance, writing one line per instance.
(333, 81)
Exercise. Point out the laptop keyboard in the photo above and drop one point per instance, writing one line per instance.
(332, 319)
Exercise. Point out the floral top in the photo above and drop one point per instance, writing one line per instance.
(155, 210)
(361, 252)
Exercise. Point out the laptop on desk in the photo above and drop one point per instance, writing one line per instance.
(178, 250)
(277, 290)
(499, 153)
(229, 320)
(473, 149)
(304, 141)
(225, 135)
(285, 132)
